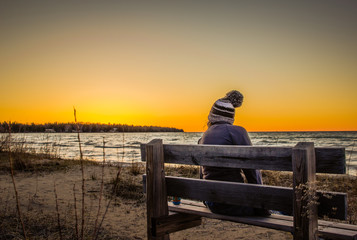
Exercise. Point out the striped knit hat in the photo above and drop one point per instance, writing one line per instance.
(223, 110)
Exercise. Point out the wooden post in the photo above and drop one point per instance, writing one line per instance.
(304, 177)
(156, 196)
(175, 222)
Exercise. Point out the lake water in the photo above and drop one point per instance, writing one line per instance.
(125, 147)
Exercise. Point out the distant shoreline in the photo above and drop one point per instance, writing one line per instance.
(71, 127)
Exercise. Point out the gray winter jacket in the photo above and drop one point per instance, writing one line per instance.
(222, 133)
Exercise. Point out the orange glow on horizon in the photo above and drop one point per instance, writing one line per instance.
(197, 123)
(164, 64)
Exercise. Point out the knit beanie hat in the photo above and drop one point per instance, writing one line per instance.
(223, 110)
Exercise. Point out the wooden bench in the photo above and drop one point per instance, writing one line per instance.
(303, 201)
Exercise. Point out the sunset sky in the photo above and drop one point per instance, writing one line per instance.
(164, 63)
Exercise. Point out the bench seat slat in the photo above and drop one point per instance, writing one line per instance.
(268, 222)
(322, 223)
(335, 233)
(279, 222)
(340, 225)
(328, 160)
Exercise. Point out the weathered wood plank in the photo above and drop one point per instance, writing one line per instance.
(330, 206)
(338, 225)
(326, 229)
(174, 222)
(156, 196)
(326, 232)
(278, 224)
(210, 190)
(321, 223)
(259, 196)
(328, 160)
(304, 180)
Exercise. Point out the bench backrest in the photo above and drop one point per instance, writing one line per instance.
(303, 159)
(328, 159)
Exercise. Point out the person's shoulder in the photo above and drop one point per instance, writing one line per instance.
(239, 135)
(237, 128)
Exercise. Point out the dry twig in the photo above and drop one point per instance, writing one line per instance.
(96, 230)
(75, 210)
(14, 184)
(82, 171)
(57, 210)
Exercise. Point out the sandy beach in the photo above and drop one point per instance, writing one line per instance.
(124, 219)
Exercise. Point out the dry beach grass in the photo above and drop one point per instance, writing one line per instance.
(125, 218)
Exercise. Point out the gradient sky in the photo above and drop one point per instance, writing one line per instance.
(166, 62)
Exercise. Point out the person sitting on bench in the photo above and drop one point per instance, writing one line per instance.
(221, 131)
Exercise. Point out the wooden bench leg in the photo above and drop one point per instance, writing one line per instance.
(305, 207)
(174, 222)
(156, 196)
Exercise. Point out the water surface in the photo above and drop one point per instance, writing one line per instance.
(125, 147)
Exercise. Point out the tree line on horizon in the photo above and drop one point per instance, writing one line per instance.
(83, 127)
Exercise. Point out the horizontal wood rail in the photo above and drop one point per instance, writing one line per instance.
(328, 160)
(259, 196)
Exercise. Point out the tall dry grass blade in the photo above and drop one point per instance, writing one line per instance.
(75, 211)
(110, 201)
(116, 182)
(14, 184)
(78, 135)
(57, 210)
(96, 231)
(82, 171)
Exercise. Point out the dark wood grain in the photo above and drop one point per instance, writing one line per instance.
(330, 204)
(174, 222)
(304, 180)
(328, 160)
(326, 229)
(156, 196)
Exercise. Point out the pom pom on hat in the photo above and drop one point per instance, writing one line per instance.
(234, 97)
